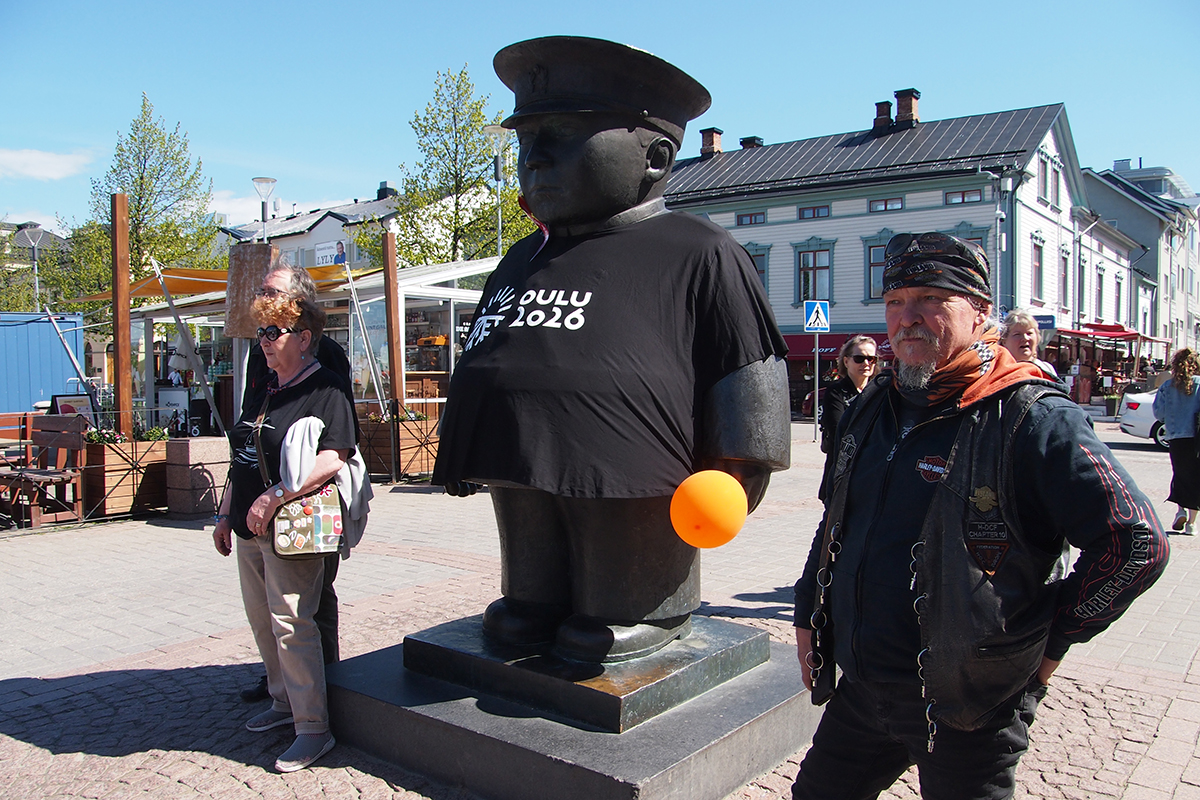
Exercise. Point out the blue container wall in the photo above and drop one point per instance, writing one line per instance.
(33, 363)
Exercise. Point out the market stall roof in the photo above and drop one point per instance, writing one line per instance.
(415, 282)
(1108, 330)
(182, 281)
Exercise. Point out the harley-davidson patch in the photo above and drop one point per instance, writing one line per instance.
(988, 544)
(931, 468)
(984, 499)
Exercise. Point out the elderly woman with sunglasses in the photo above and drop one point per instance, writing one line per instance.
(302, 403)
(856, 364)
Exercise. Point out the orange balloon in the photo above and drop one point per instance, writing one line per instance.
(709, 508)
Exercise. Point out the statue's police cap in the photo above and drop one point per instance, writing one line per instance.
(576, 74)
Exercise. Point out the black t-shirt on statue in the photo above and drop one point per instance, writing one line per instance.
(319, 395)
(587, 361)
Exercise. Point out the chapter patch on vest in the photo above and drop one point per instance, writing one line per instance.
(845, 452)
(988, 543)
(931, 468)
(984, 499)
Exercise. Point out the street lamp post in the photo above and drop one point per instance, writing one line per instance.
(497, 135)
(264, 187)
(34, 234)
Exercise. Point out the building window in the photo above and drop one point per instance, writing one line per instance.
(875, 268)
(1055, 182)
(812, 279)
(1064, 276)
(814, 258)
(814, 212)
(887, 204)
(753, 218)
(873, 260)
(1038, 271)
(759, 254)
(1099, 295)
(1117, 301)
(1043, 178)
(966, 196)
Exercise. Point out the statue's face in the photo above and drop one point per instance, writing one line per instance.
(580, 168)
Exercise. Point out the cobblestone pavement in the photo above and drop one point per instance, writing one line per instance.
(124, 645)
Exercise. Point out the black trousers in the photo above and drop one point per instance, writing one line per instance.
(870, 733)
(327, 612)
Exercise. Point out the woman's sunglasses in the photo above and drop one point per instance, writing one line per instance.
(273, 332)
(858, 358)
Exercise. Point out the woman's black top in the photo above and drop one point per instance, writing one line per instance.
(837, 398)
(320, 395)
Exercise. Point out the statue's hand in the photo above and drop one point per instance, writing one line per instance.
(461, 488)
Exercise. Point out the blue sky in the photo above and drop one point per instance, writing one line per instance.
(320, 98)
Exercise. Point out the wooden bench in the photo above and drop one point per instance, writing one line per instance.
(50, 488)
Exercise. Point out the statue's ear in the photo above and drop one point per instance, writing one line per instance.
(660, 156)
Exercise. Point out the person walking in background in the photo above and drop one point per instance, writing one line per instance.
(856, 363)
(1176, 404)
(1021, 338)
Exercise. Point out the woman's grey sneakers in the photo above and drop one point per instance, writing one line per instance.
(269, 719)
(307, 748)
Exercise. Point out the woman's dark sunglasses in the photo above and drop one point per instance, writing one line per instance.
(859, 358)
(273, 332)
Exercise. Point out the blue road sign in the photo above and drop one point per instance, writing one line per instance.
(816, 316)
(1046, 322)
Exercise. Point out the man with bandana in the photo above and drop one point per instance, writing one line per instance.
(958, 480)
(613, 353)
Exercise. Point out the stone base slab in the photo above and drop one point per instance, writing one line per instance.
(612, 697)
(500, 750)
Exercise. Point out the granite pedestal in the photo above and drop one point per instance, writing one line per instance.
(701, 748)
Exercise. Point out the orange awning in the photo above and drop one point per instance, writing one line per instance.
(181, 281)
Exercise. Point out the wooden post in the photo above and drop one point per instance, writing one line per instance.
(395, 321)
(122, 338)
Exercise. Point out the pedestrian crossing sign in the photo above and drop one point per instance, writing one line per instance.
(816, 316)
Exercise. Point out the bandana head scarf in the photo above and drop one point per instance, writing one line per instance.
(937, 260)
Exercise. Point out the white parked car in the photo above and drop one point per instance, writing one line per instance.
(1137, 418)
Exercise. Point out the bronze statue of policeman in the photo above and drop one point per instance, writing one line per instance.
(613, 353)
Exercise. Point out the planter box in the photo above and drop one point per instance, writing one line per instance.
(123, 478)
(196, 471)
(418, 446)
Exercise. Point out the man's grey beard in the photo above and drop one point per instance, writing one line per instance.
(914, 377)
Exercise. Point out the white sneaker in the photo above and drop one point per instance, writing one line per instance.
(307, 748)
(1180, 520)
(1187, 531)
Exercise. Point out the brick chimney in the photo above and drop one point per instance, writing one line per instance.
(883, 118)
(906, 108)
(710, 142)
(750, 142)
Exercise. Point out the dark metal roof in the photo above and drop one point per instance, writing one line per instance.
(964, 144)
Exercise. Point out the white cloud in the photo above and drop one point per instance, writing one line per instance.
(241, 210)
(40, 165)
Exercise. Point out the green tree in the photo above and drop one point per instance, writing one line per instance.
(447, 209)
(168, 203)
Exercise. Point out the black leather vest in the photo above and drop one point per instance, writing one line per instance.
(984, 606)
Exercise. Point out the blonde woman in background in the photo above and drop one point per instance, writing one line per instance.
(1020, 337)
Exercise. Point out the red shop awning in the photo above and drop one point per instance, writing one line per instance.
(800, 345)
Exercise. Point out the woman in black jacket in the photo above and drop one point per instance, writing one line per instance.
(857, 364)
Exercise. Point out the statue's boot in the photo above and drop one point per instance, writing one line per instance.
(587, 639)
(516, 622)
